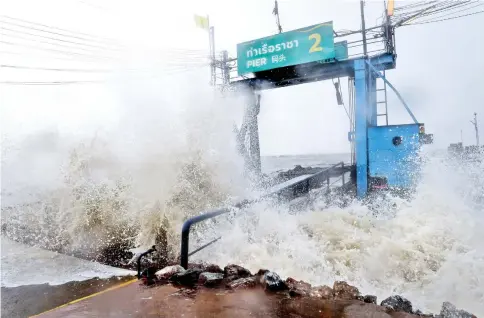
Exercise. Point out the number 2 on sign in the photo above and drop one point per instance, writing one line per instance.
(317, 40)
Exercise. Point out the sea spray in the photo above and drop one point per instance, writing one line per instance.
(427, 248)
(171, 155)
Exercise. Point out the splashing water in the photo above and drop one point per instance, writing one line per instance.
(428, 249)
(172, 154)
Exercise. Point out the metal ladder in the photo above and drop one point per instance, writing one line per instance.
(382, 110)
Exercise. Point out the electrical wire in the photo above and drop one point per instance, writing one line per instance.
(54, 83)
(107, 47)
(59, 40)
(452, 18)
(437, 12)
(55, 51)
(181, 58)
(77, 34)
(47, 83)
(47, 42)
(452, 7)
(454, 12)
(55, 69)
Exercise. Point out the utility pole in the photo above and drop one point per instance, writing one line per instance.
(276, 13)
(211, 37)
(363, 28)
(474, 122)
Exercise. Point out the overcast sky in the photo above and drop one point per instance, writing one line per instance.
(439, 66)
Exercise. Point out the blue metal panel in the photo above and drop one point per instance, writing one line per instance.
(398, 164)
(361, 126)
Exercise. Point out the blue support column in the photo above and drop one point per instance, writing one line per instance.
(361, 128)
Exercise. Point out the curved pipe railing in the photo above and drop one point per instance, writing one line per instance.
(295, 189)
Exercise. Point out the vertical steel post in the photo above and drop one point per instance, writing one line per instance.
(361, 127)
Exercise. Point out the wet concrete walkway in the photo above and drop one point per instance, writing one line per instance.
(135, 300)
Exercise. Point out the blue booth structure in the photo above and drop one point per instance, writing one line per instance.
(388, 153)
(384, 155)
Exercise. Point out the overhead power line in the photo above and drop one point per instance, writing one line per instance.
(56, 69)
(59, 40)
(81, 35)
(434, 11)
(453, 7)
(105, 44)
(48, 83)
(56, 51)
(440, 20)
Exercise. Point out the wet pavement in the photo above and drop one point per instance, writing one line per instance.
(135, 300)
(27, 300)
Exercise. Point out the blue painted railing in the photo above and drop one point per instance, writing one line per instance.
(292, 190)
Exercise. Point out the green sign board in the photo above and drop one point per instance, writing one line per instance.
(310, 44)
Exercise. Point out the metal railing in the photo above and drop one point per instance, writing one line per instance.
(290, 191)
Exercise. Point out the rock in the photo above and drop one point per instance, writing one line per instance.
(362, 310)
(233, 272)
(247, 282)
(344, 291)
(450, 311)
(298, 288)
(261, 272)
(212, 268)
(209, 268)
(272, 282)
(167, 272)
(210, 279)
(421, 314)
(398, 303)
(187, 278)
(324, 292)
(369, 299)
(402, 314)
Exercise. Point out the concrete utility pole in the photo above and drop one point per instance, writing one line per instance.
(474, 122)
(276, 13)
(363, 28)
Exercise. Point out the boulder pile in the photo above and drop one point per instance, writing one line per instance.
(294, 298)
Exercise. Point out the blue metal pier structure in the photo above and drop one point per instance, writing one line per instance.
(387, 152)
(382, 153)
(365, 107)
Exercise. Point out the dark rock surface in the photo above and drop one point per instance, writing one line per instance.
(233, 272)
(188, 277)
(398, 303)
(247, 282)
(271, 281)
(450, 311)
(344, 291)
(210, 279)
(298, 288)
(370, 299)
(167, 272)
